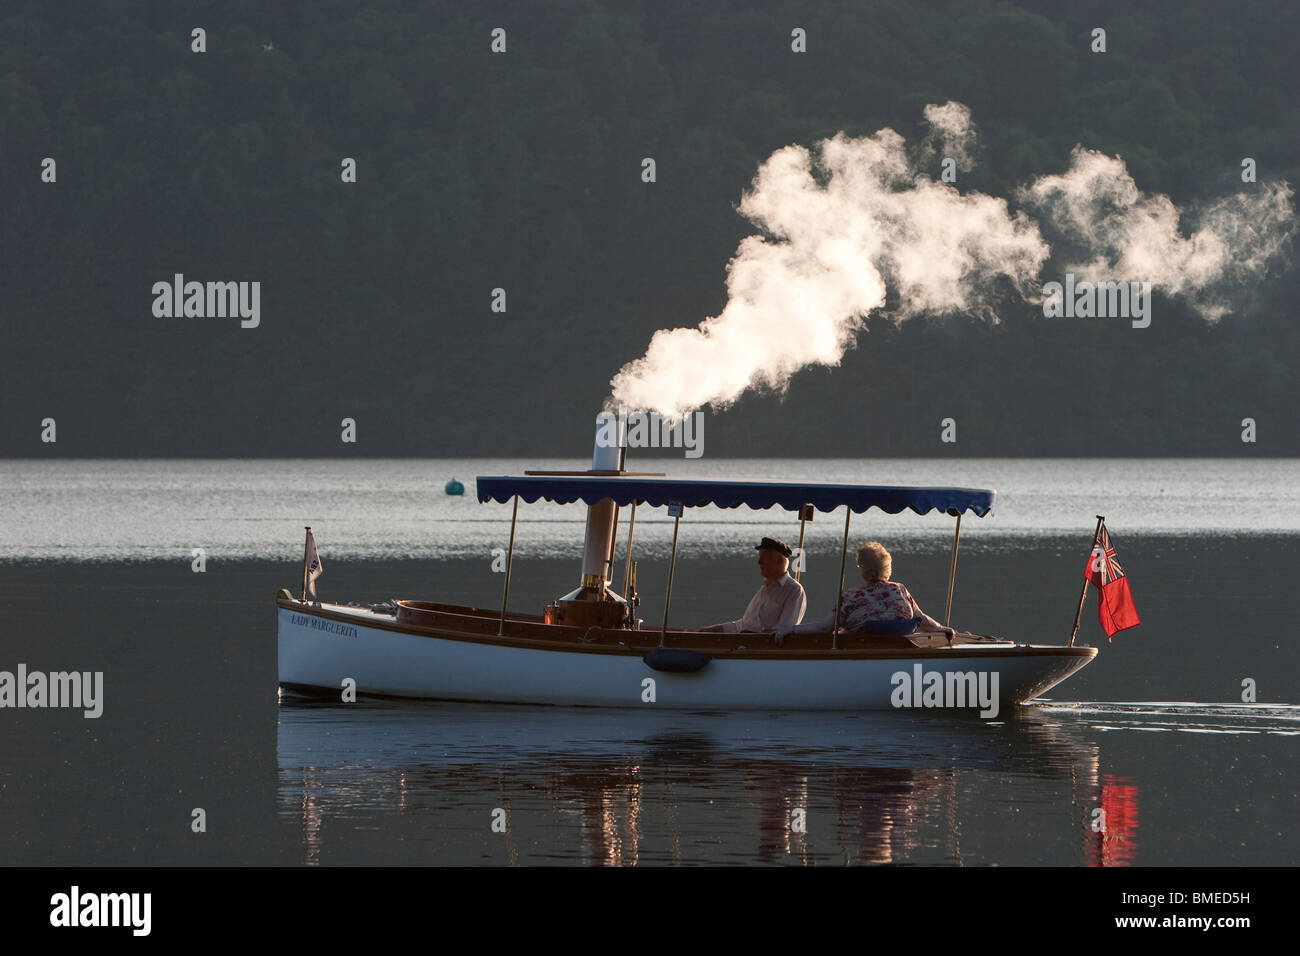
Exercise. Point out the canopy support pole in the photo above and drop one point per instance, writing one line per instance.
(607, 575)
(835, 631)
(510, 557)
(672, 566)
(1083, 593)
(805, 515)
(952, 573)
(627, 559)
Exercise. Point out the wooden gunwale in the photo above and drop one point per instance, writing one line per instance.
(479, 626)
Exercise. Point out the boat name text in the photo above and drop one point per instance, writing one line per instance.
(333, 627)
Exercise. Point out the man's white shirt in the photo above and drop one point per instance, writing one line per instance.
(776, 606)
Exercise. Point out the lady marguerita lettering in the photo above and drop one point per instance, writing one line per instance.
(332, 626)
(55, 689)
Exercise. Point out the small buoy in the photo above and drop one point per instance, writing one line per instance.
(454, 487)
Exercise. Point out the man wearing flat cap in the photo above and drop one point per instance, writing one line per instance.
(779, 604)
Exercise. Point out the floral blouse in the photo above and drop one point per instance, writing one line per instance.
(881, 601)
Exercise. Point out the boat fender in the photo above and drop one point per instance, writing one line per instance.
(676, 661)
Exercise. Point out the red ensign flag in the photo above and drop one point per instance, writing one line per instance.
(1115, 610)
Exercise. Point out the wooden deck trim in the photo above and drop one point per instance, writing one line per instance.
(606, 641)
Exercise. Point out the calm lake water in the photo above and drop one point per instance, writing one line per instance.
(95, 574)
(129, 510)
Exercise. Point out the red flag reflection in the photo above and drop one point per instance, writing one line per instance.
(1112, 836)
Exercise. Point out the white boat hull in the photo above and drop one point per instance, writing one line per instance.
(321, 652)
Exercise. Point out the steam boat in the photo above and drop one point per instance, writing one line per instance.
(590, 648)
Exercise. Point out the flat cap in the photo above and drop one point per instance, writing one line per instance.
(774, 544)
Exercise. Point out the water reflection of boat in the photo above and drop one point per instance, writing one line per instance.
(663, 787)
(589, 647)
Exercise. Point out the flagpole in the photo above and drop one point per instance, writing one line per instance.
(1096, 535)
(305, 543)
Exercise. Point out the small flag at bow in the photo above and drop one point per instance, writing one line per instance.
(1115, 610)
(312, 567)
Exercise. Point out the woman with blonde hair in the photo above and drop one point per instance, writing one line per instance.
(878, 601)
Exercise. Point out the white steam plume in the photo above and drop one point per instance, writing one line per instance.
(856, 219)
(952, 134)
(1128, 235)
(872, 222)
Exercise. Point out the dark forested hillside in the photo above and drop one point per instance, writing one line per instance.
(522, 171)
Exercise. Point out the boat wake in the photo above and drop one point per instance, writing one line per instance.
(1180, 716)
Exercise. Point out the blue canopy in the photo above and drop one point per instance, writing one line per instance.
(693, 493)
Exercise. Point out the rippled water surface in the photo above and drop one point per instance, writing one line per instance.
(421, 783)
(128, 510)
(1153, 754)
